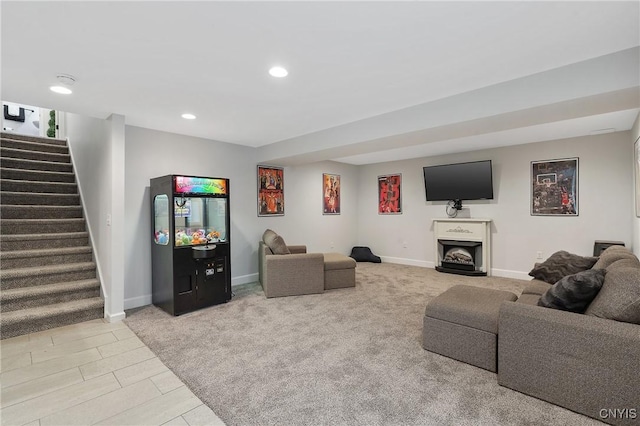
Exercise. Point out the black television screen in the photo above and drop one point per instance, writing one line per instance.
(461, 181)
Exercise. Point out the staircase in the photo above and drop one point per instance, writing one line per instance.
(47, 273)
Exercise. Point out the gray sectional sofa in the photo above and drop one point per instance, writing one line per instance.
(288, 270)
(587, 362)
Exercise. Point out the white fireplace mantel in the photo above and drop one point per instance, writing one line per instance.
(466, 230)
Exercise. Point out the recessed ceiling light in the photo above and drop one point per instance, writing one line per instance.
(189, 116)
(278, 72)
(61, 90)
(65, 81)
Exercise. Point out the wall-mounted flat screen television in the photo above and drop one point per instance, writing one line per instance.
(461, 181)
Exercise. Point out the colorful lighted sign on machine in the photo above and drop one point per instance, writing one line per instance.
(197, 185)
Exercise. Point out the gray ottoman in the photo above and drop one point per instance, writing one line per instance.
(462, 323)
(339, 271)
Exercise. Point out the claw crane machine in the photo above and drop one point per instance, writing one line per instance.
(190, 244)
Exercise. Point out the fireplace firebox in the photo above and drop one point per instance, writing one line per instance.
(460, 257)
(463, 246)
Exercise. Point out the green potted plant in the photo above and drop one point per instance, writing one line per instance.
(51, 131)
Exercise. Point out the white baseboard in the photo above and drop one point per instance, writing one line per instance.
(136, 302)
(410, 262)
(114, 317)
(244, 279)
(504, 273)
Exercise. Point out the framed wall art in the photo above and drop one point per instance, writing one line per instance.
(389, 194)
(270, 191)
(330, 194)
(554, 187)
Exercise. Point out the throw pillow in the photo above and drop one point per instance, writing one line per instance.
(275, 242)
(278, 246)
(619, 298)
(268, 236)
(559, 265)
(574, 292)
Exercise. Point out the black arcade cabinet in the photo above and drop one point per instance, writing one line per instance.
(190, 247)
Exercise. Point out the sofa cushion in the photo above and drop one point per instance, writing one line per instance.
(529, 299)
(536, 287)
(574, 292)
(275, 242)
(468, 306)
(613, 254)
(559, 265)
(337, 261)
(619, 298)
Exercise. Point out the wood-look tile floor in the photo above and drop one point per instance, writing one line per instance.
(90, 373)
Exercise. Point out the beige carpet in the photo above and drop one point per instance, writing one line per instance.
(345, 357)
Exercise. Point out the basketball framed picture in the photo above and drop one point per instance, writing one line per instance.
(270, 191)
(554, 187)
(330, 194)
(389, 194)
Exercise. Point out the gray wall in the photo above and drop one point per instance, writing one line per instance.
(97, 150)
(304, 221)
(152, 154)
(605, 186)
(89, 140)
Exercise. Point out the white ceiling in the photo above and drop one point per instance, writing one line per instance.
(366, 64)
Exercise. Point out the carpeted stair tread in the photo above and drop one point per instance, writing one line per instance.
(31, 320)
(35, 155)
(52, 236)
(42, 252)
(52, 310)
(41, 226)
(47, 274)
(39, 139)
(54, 239)
(21, 163)
(6, 274)
(44, 256)
(36, 291)
(36, 175)
(13, 185)
(39, 198)
(33, 146)
(31, 297)
(17, 211)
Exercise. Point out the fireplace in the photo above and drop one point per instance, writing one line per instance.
(463, 246)
(460, 257)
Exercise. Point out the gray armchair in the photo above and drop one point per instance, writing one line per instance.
(290, 274)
